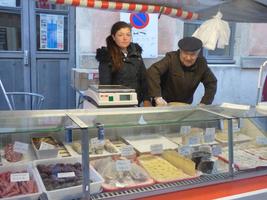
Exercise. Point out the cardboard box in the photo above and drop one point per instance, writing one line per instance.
(82, 78)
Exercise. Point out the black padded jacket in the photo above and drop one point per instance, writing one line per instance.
(132, 74)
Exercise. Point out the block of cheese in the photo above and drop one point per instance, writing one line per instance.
(179, 161)
(161, 170)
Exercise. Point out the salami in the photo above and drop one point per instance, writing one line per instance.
(8, 189)
(11, 155)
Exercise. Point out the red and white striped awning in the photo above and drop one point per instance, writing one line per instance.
(131, 7)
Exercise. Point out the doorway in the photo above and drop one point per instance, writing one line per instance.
(37, 44)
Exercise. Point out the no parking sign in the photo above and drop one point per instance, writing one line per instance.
(139, 20)
(144, 31)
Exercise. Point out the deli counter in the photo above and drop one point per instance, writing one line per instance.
(128, 153)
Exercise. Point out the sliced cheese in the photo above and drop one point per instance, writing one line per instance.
(161, 170)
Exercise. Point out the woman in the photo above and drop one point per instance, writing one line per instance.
(121, 63)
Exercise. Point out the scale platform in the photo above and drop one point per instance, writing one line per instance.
(111, 96)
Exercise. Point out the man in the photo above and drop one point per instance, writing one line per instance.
(176, 77)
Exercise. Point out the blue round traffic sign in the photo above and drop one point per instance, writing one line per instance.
(139, 20)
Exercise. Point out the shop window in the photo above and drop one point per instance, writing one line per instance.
(218, 56)
(10, 31)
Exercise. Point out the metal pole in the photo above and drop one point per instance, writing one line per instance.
(5, 95)
(230, 146)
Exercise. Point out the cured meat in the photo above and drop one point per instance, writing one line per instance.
(11, 155)
(8, 189)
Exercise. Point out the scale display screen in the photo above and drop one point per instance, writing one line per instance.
(125, 97)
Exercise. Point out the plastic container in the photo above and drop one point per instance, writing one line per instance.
(68, 192)
(45, 153)
(33, 176)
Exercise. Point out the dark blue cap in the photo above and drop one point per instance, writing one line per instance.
(190, 44)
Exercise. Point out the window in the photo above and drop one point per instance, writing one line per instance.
(51, 26)
(10, 26)
(218, 56)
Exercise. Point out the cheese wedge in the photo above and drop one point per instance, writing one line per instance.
(185, 164)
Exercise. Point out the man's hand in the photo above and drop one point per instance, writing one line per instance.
(160, 101)
(147, 103)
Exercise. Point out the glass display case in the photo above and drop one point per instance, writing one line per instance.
(133, 152)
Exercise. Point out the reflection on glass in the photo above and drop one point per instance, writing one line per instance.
(45, 4)
(10, 32)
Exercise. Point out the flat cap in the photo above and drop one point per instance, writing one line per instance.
(190, 44)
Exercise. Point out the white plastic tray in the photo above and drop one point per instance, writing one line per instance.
(143, 143)
(104, 154)
(23, 167)
(69, 192)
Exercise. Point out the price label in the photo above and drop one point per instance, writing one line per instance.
(20, 147)
(235, 126)
(209, 138)
(95, 142)
(46, 146)
(216, 150)
(123, 165)
(65, 174)
(261, 140)
(127, 150)
(184, 130)
(221, 124)
(194, 140)
(156, 148)
(209, 135)
(210, 131)
(18, 177)
(185, 150)
(241, 123)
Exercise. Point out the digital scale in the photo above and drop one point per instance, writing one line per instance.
(110, 96)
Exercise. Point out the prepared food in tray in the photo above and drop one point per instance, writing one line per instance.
(61, 178)
(107, 149)
(48, 147)
(18, 182)
(244, 160)
(260, 152)
(10, 156)
(116, 179)
(163, 171)
(222, 137)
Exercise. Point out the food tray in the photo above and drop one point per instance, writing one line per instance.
(237, 138)
(33, 175)
(244, 160)
(127, 181)
(26, 158)
(178, 140)
(68, 192)
(46, 153)
(91, 155)
(142, 143)
(161, 166)
(260, 152)
(60, 151)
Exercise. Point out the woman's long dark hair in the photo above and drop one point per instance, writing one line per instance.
(113, 48)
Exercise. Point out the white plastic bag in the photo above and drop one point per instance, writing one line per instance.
(214, 32)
